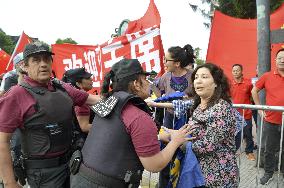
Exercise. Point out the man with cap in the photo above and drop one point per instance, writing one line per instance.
(123, 138)
(11, 78)
(82, 80)
(44, 116)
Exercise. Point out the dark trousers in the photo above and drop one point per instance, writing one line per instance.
(272, 134)
(79, 181)
(254, 115)
(248, 137)
(56, 177)
(238, 140)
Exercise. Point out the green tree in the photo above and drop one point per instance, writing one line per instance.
(6, 42)
(67, 40)
(244, 8)
(198, 60)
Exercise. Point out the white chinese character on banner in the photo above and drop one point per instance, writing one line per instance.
(91, 67)
(72, 63)
(112, 48)
(144, 43)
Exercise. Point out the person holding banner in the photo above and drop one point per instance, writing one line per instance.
(177, 78)
(273, 83)
(123, 139)
(44, 115)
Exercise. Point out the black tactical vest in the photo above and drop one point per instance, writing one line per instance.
(49, 130)
(108, 148)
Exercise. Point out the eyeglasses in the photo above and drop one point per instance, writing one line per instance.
(166, 60)
(279, 58)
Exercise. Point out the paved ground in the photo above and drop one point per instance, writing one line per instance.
(248, 174)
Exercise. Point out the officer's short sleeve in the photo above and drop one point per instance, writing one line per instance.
(79, 97)
(142, 129)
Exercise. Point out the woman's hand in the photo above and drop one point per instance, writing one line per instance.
(12, 185)
(151, 103)
(182, 135)
(164, 136)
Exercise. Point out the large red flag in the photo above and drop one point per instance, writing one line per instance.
(150, 18)
(143, 45)
(234, 41)
(22, 42)
(4, 59)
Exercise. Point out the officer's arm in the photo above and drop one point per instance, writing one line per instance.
(84, 123)
(93, 99)
(160, 160)
(255, 96)
(6, 167)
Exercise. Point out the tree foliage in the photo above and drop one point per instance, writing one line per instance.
(67, 40)
(244, 9)
(6, 42)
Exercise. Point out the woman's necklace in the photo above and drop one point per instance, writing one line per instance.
(203, 106)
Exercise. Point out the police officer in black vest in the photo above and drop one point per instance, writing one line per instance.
(123, 139)
(42, 108)
(81, 79)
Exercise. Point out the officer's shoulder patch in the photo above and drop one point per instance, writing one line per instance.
(104, 107)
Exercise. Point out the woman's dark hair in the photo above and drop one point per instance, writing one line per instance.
(280, 50)
(110, 82)
(222, 91)
(183, 55)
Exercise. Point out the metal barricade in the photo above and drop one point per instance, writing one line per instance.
(264, 108)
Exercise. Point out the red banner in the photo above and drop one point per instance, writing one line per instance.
(22, 42)
(4, 60)
(145, 45)
(234, 41)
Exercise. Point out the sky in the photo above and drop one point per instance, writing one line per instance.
(91, 22)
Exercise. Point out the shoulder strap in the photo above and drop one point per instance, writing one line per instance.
(58, 84)
(33, 90)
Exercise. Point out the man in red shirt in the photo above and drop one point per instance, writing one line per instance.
(273, 83)
(241, 94)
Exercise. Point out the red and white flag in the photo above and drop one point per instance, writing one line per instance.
(22, 42)
(143, 45)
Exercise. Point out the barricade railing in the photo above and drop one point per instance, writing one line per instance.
(263, 108)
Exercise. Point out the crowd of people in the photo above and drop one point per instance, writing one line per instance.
(59, 135)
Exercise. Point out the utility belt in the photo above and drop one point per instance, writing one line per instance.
(132, 181)
(47, 162)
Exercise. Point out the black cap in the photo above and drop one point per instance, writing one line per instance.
(127, 67)
(77, 73)
(36, 47)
